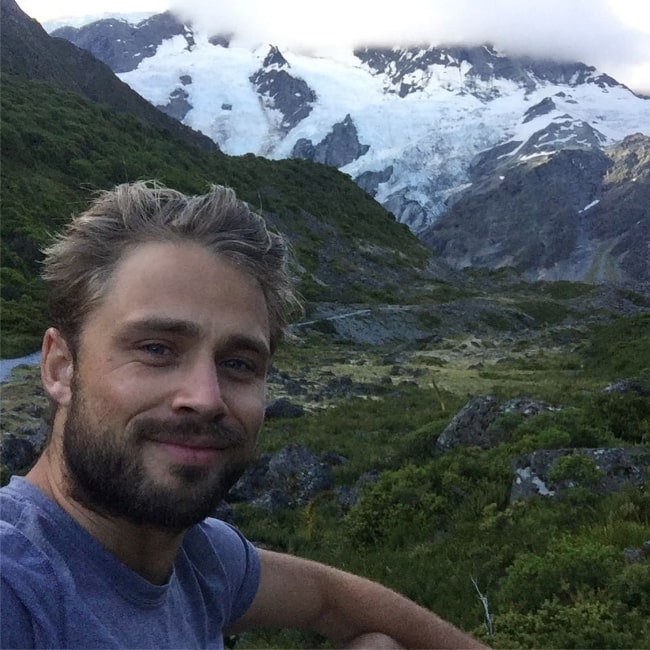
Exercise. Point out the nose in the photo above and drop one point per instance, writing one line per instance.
(199, 390)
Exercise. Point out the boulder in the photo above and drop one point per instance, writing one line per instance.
(288, 479)
(283, 408)
(613, 469)
(252, 482)
(299, 473)
(470, 427)
(21, 449)
(272, 501)
(627, 386)
(349, 496)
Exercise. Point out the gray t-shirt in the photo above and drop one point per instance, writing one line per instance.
(62, 589)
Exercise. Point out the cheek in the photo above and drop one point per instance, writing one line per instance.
(249, 409)
(113, 400)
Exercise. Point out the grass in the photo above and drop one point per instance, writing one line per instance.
(433, 521)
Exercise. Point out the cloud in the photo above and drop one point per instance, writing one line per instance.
(591, 31)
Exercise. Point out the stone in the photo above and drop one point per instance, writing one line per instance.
(526, 406)
(469, 427)
(616, 467)
(252, 482)
(283, 408)
(299, 473)
(627, 386)
(288, 479)
(349, 496)
(224, 512)
(272, 501)
(21, 450)
(634, 555)
(333, 459)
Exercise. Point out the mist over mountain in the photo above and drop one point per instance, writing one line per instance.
(431, 133)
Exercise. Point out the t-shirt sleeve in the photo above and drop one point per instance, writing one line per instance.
(30, 604)
(15, 621)
(241, 563)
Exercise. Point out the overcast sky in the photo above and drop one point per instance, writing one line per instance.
(613, 35)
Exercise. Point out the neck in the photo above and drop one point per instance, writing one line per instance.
(147, 550)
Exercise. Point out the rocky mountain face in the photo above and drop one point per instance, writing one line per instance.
(493, 160)
(28, 51)
(586, 210)
(121, 45)
(407, 71)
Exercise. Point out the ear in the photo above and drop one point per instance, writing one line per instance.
(57, 367)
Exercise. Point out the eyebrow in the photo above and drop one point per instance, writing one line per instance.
(242, 342)
(186, 329)
(162, 326)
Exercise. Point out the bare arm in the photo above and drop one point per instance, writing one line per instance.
(296, 593)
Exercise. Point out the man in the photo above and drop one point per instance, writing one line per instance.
(166, 310)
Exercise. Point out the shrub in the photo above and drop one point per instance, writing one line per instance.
(577, 470)
(553, 438)
(400, 508)
(626, 415)
(587, 623)
(567, 567)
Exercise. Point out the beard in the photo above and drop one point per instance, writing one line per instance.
(106, 472)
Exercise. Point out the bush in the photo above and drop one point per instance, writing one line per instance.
(626, 415)
(569, 566)
(632, 587)
(401, 508)
(586, 623)
(576, 470)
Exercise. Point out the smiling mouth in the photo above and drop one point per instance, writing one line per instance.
(191, 454)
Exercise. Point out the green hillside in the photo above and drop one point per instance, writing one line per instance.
(57, 148)
(380, 386)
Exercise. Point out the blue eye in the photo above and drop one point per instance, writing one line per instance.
(239, 365)
(157, 349)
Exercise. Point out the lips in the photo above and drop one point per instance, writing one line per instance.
(190, 442)
(193, 453)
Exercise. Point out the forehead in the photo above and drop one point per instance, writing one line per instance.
(185, 282)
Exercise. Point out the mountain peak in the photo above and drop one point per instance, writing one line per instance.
(274, 58)
(422, 128)
(28, 51)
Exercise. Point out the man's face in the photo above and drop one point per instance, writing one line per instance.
(168, 390)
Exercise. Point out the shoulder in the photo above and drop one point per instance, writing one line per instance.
(32, 608)
(33, 579)
(218, 544)
(226, 539)
(222, 555)
(25, 539)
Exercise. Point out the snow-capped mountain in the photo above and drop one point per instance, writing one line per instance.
(418, 128)
(405, 123)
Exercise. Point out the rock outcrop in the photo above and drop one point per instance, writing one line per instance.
(554, 472)
(338, 148)
(586, 207)
(288, 479)
(471, 426)
(282, 91)
(128, 45)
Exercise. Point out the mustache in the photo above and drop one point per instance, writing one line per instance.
(189, 431)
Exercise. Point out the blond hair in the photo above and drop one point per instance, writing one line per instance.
(81, 261)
